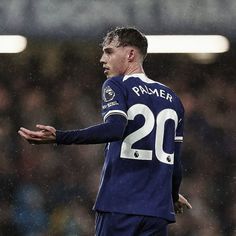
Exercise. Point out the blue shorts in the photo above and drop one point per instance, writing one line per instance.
(116, 224)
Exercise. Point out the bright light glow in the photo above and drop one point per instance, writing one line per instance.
(187, 44)
(12, 43)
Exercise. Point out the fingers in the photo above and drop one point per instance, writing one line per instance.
(29, 133)
(47, 127)
(184, 201)
(23, 134)
(38, 134)
(30, 139)
(46, 135)
(188, 205)
(181, 204)
(43, 127)
(178, 208)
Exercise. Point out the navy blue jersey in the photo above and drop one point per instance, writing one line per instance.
(138, 169)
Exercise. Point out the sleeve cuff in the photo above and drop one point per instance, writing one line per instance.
(59, 134)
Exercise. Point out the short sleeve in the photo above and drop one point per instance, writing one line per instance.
(113, 99)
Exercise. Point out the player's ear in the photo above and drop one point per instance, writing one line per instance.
(131, 54)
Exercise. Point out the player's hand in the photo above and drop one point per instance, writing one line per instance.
(46, 134)
(181, 204)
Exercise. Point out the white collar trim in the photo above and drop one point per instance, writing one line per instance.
(142, 77)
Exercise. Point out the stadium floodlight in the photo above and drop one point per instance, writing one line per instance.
(187, 44)
(12, 43)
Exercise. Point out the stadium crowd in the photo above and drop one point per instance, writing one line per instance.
(50, 190)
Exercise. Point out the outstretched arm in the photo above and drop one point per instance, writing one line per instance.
(111, 130)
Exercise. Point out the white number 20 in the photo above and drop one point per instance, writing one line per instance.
(142, 154)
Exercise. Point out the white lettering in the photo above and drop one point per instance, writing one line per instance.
(136, 90)
(154, 92)
(169, 97)
(162, 93)
(147, 90)
(159, 93)
(142, 89)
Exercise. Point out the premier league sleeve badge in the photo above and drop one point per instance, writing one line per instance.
(108, 94)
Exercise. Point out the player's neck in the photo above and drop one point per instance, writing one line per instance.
(134, 69)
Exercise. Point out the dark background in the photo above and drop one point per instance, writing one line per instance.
(50, 190)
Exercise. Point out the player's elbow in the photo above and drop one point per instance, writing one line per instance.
(118, 134)
(117, 125)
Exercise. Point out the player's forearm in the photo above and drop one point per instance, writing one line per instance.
(175, 187)
(112, 130)
(177, 173)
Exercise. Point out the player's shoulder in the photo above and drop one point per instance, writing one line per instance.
(111, 87)
(114, 80)
(175, 96)
(170, 91)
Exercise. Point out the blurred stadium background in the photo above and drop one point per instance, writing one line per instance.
(57, 79)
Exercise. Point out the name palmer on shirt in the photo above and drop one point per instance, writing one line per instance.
(143, 89)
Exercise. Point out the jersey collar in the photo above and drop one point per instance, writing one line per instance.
(141, 76)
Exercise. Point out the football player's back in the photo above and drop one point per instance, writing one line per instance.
(138, 169)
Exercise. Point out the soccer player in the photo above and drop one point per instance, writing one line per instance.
(143, 129)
